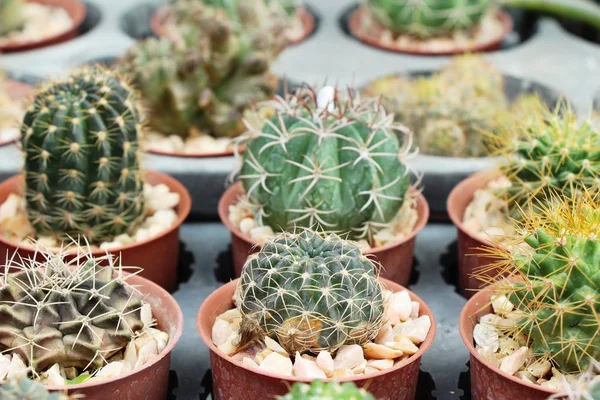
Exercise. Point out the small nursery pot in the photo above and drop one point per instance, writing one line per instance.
(151, 381)
(468, 244)
(76, 10)
(158, 255)
(233, 380)
(396, 258)
(487, 381)
(493, 43)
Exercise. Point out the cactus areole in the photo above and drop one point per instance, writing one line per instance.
(82, 161)
(327, 160)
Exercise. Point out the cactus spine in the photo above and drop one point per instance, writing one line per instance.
(326, 391)
(82, 161)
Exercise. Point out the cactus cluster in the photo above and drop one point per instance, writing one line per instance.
(82, 162)
(26, 389)
(75, 311)
(554, 281)
(327, 160)
(310, 292)
(326, 391)
(11, 15)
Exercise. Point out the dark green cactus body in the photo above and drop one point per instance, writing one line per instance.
(82, 166)
(310, 293)
(428, 17)
(339, 169)
(25, 389)
(319, 390)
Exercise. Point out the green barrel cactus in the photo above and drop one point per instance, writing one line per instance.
(327, 160)
(75, 313)
(26, 389)
(11, 16)
(310, 293)
(82, 162)
(428, 18)
(318, 390)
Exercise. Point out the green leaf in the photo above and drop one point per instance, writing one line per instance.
(80, 379)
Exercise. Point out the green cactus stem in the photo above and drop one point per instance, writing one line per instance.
(326, 391)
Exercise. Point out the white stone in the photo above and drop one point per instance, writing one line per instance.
(17, 369)
(342, 373)
(228, 347)
(414, 312)
(246, 225)
(360, 368)
(348, 357)
(304, 368)
(539, 368)
(221, 331)
(400, 306)
(248, 362)
(415, 329)
(146, 353)
(277, 364)
(53, 376)
(231, 315)
(512, 363)
(486, 336)
(110, 370)
(146, 315)
(502, 305)
(490, 319)
(385, 334)
(379, 352)
(274, 346)
(325, 98)
(262, 234)
(404, 344)
(325, 362)
(381, 364)
(4, 366)
(10, 207)
(130, 356)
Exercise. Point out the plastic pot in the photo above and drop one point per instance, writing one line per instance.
(233, 380)
(158, 256)
(487, 381)
(76, 10)
(396, 258)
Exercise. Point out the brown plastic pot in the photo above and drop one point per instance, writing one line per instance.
(151, 381)
(233, 380)
(396, 258)
(17, 91)
(372, 39)
(487, 381)
(76, 10)
(158, 256)
(226, 153)
(469, 245)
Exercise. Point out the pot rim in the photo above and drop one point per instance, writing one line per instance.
(479, 297)
(164, 296)
(183, 210)
(17, 91)
(179, 154)
(423, 347)
(422, 219)
(503, 16)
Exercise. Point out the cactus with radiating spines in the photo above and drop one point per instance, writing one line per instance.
(319, 390)
(75, 311)
(12, 16)
(327, 160)
(82, 161)
(310, 292)
(26, 389)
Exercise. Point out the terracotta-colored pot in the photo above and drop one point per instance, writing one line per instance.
(487, 381)
(151, 381)
(470, 262)
(17, 91)
(226, 153)
(396, 258)
(158, 256)
(355, 25)
(76, 10)
(233, 380)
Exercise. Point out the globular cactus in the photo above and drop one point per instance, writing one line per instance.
(428, 18)
(82, 160)
(318, 390)
(26, 389)
(554, 283)
(327, 160)
(11, 16)
(73, 311)
(310, 292)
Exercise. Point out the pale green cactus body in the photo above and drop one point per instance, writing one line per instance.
(26, 389)
(318, 390)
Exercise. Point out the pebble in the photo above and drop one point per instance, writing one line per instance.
(304, 368)
(415, 329)
(378, 352)
(17, 368)
(110, 370)
(221, 331)
(512, 363)
(277, 364)
(385, 334)
(380, 364)
(404, 344)
(4, 366)
(486, 336)
(348, 357)
(326, 363)
(53, 376)
(502, 305)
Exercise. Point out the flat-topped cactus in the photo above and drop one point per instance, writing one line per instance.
(26, 389)
(318, 390)
(11, 15)
(82, 161)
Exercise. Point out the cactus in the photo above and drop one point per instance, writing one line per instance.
(82, 161)
(26, 389)
(11, 16)
(326, 391)
(327, 160)
(310, 292)
(75, 311)
(555, 286)
(428, 17)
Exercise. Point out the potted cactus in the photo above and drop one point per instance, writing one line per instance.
(537, 330)
(83, 325)
(332, 161)
(83, 178)
(551, 153)
(326, 391)
(317, 300)
(24, 25)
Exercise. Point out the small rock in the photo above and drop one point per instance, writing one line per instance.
(4, 366)
(502, 305)
(146, 353)
(486, 336)
(399, 306)
(246, 225)
(404, 344)
(359, 369)
(326, 363)
(379, 352)
(490, 319)
(111, 370)
(526, 376)
(53, 376)
(248, 362)
(262, 234)
(221, 331)
(263, 354)
(277, 364)
(274, 346)
(490, 356)
(231, 315)
(381, 364)
(342, 373)
(539, 368)
(304, 368)
(146, 315)
(348, 357)
(10, 207)
(370, 370)
(130, 356)
(228, 347)
(508, 345)
(385, 334)
(414, 311)
(17, 367)
(415, 329)
(512, 363)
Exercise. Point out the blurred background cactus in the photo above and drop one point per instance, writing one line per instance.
(326, 391)
(82, 161)
(12, 16)
(26, 389)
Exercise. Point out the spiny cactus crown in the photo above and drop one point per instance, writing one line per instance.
(327, 160)
(310, 293)
(555, 283)
(318, 390)
(82, 160)
(74, 310)
(428, 18)
(12, 16)
(26, 389)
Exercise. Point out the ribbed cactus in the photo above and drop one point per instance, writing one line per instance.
(73, 312)
(427, 18)
(555, 285)
(310, 292)
(25, 389)
(318, 390)
(327, 160)
(82, 161)
(11, 15)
